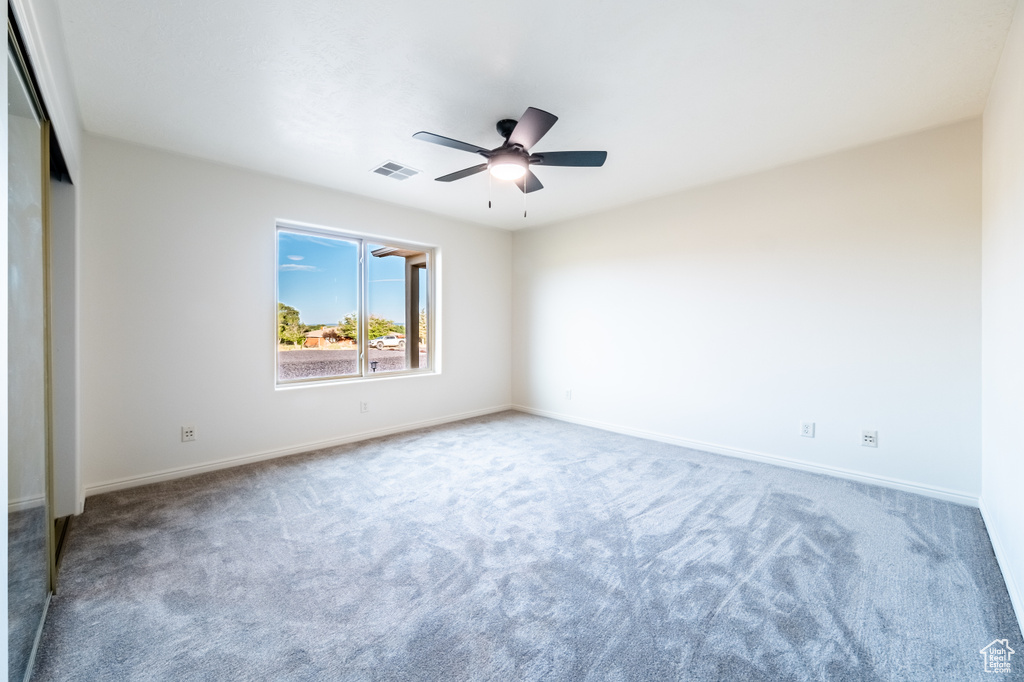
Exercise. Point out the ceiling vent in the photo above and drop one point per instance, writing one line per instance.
(394, 170)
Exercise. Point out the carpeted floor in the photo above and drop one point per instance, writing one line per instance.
(512, 547)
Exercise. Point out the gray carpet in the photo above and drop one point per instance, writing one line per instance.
(513, 547)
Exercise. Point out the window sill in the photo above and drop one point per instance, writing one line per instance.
(309, 383)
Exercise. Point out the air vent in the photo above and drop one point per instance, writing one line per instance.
(394, 170)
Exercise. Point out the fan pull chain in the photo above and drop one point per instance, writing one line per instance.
(524, 196)
(490, 184)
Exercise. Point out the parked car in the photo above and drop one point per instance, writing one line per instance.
(389, 341)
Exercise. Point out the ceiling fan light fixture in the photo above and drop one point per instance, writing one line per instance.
(507, 166)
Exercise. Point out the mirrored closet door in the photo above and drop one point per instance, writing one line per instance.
(29, 567)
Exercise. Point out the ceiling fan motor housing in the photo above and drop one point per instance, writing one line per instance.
(506, 126)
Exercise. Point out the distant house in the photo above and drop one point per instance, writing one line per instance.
(321, 338)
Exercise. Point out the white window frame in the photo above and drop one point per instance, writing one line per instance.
(363, 240)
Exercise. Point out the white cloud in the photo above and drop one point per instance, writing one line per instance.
(296, 257)
(288, 267)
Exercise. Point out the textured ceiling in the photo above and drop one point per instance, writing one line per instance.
(679, 92)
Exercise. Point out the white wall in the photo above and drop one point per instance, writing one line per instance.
(843, 290)
(1002, 497)
(178, 317)
(67, 479)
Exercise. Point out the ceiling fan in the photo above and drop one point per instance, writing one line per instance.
(512, 160)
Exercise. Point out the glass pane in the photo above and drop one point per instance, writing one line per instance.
(28, 581)
(423, 361)
(394, 303)
(318, 306)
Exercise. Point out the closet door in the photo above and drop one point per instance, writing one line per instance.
(28, 517)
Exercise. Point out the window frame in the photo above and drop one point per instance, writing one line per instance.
(363, 241)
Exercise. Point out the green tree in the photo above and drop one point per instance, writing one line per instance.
(380, 326)
(349, 327)
(423, 326)
(286, 315)
(294, 334)
(289, 328)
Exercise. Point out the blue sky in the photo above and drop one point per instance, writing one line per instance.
(319, 277)
(387, 287)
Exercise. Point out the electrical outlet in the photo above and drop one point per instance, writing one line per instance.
(364, 406)
(188, 433)
(807, 429)
(568, 394)
(869, 439)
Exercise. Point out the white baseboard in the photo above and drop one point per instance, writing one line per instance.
(1016, 596)
(929, 491)
(25, 503)
(170, 474)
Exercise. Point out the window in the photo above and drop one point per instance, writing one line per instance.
(351, 307)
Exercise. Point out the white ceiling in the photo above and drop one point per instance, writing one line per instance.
(679, 92)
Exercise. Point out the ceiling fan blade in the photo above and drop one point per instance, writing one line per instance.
(449, 142)
(464, 173)
(590, 159)
(531, 127)
(529, 183)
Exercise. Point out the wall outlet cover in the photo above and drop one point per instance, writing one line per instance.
(869, 439)
(807, 429)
